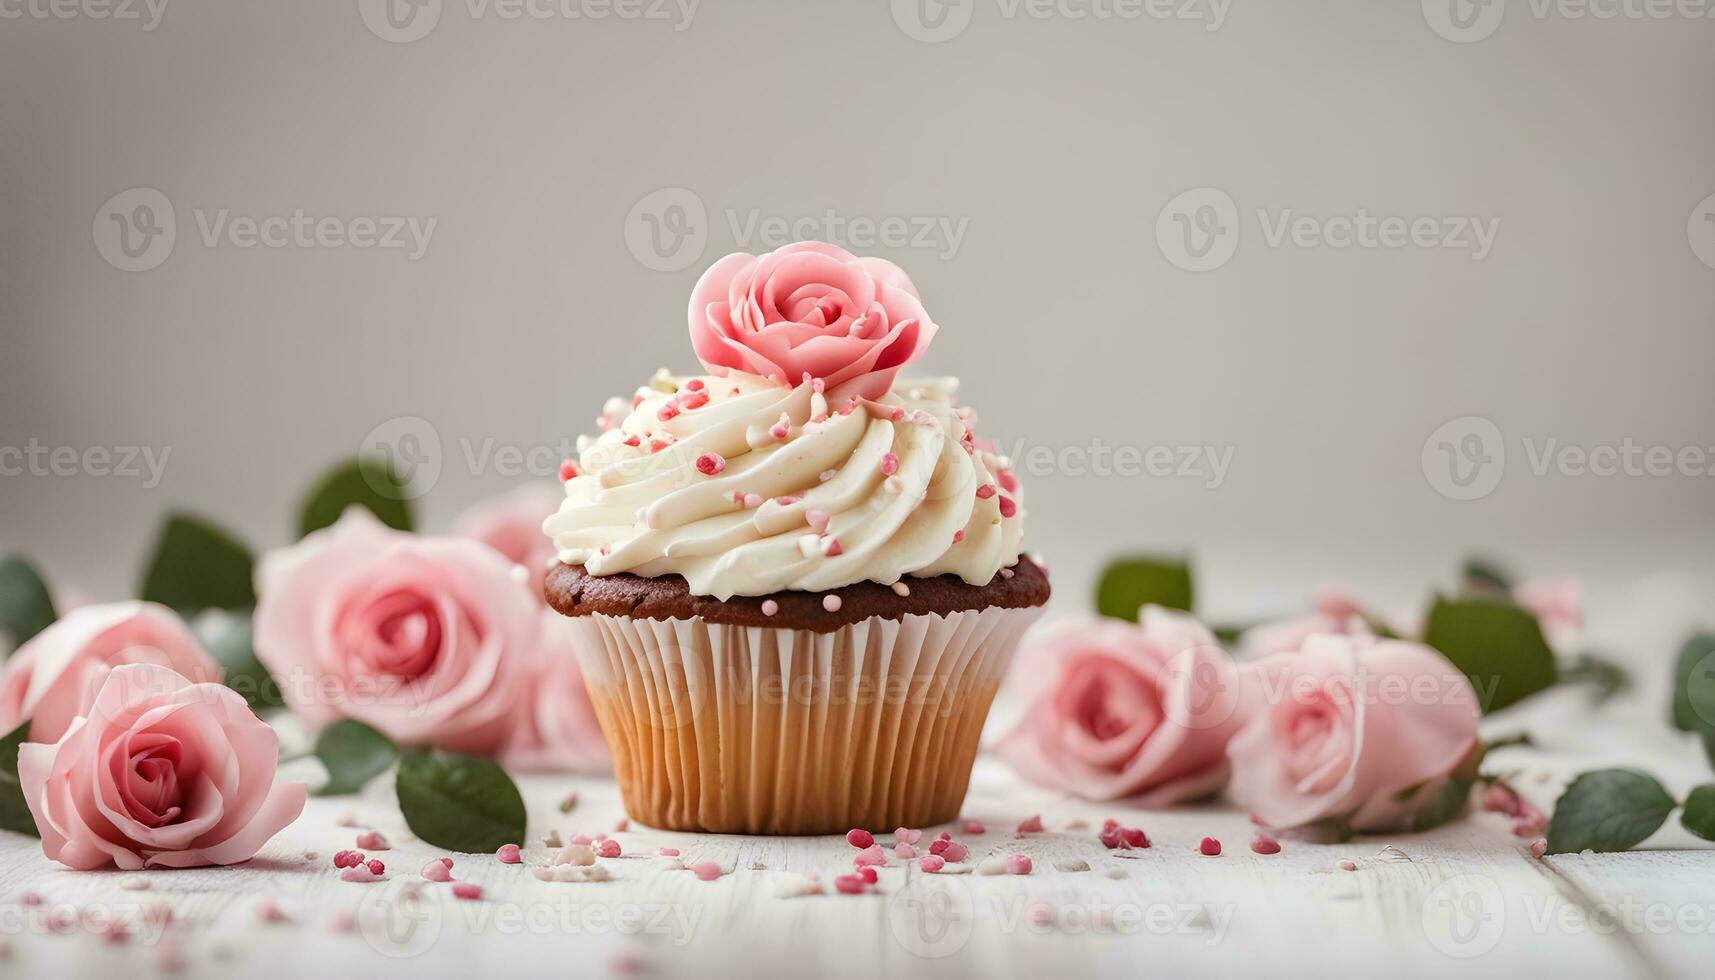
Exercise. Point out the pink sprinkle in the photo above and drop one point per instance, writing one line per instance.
(958, 536)
(931, 862)
(955, 851)
(938, 845)
(817, 519)
(901, 589)
(1538, 847)
(1031, 825)
(889, 464)
(1347, 864)
(833, 550)
(693, 400)
(945, 836)
(973, 827)
(710, 464)
(751, 501)
(359, 873)
(1006, 573)
(896, 415)
(906, 835)
(859, 838)
(787, 501)
(633, 441)
(904, 852)
(372, 840)
(1134, 837)
(569, 470)
(581, 839)
(873, 854)
(985, 491)
(780, 429)
(1264, 844)
(695, 384)
(668, 852)
(706, 870)
(268, 910)
(868, 874)
(347, 859)
(831, 603)
(668, 412)
(436, 870)
(467, 891)
(447, 861)
(1040, 913)
(376, 867)
(1007, 507)
(508, 854)
(1018, 864)
(849, 885)
(609, 848)
(1008, 482)
(818, 385)
(1210, 847)
(770, 607)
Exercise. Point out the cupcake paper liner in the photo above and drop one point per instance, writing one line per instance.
(749, 730)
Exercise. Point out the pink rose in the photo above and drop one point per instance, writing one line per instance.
(162, 773)
(1558, 606)
(53, 678)
(1336, 611)
(809, 308)
(425, 639)
(557, 731)
(511, 523)
(1129, 710)
(1350, 724)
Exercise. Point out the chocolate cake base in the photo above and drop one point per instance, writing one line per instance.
(575, 592)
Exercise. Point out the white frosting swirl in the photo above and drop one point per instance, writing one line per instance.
(759, 488)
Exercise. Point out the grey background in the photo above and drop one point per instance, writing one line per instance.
(1058, 142)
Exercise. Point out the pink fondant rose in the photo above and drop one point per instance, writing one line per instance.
(161, 773)
(557, 730)
(809, 308)
(1129, 710)
(425, 639)
(1354, 730)
(53, 678)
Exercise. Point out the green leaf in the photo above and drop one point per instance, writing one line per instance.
(366, 482)
(1605, 677)
(1129, 584)
(1608, 810)
(1483, 576)
(459, 802)
(26, 608)
(1694, 685)
(14, 812)
(228, 637)
(354, 754)
(1699, 815)
(1497, 644)
(198, 566)
(1448, 803)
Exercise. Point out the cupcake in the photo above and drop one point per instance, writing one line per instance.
(795, 579)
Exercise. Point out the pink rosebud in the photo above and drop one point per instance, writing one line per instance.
(371, 840)
(907, 835)
(436, 870)
(1018, 864)
(1210, 847)
(849, 885)
(467, 891)
(873, 854)
(868, 874)
(931, 862)
(904, 852)
(710, 464)
(955, 852)
(375, 867)
(938, 845)
(1262, 844)
(608, 848)
(859, 838)
(509, 854)
(706, 870)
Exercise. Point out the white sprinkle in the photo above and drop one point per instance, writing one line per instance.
(770, 607)
(134, 883)
(826, 475)
(1006, 573)
(831, 603)
(1347, 864)
(992, 866)
(1072, 864)
(901, 589)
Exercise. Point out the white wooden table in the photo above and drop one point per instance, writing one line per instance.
(1466, 900)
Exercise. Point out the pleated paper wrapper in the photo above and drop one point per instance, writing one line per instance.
(756, 730)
